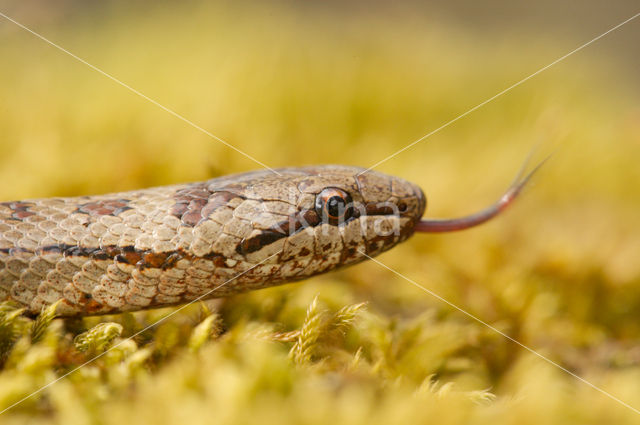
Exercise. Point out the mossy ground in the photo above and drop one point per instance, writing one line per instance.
(560, 272)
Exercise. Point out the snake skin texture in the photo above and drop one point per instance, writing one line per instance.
(169, 245)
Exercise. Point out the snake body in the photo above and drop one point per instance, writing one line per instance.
(173, 244)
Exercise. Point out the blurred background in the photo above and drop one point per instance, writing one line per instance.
(296, 83)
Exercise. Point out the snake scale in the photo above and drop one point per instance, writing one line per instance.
(169, 245)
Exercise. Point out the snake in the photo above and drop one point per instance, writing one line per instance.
(171, 245)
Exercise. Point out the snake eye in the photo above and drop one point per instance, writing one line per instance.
(334, 205)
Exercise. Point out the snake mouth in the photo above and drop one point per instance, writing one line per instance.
(310, 218)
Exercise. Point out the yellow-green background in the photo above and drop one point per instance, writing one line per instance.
(296, 83)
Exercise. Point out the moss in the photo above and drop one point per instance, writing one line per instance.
(559, 272)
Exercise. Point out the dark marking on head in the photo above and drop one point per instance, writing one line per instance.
(379, 242)
(257, 242)
(311, 217)
(304, 252)
(106, 207)
(295, 222)
(348, 252)
(380, 209)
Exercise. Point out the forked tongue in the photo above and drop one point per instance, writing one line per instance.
(461, 223)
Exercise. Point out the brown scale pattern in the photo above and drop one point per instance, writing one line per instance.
(170, 245)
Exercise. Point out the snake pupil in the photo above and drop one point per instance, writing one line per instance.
(335, 206)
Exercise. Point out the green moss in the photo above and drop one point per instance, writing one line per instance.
(559, 272)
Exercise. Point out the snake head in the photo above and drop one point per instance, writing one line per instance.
(318, 218)
(305, 221)
(368, 212)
